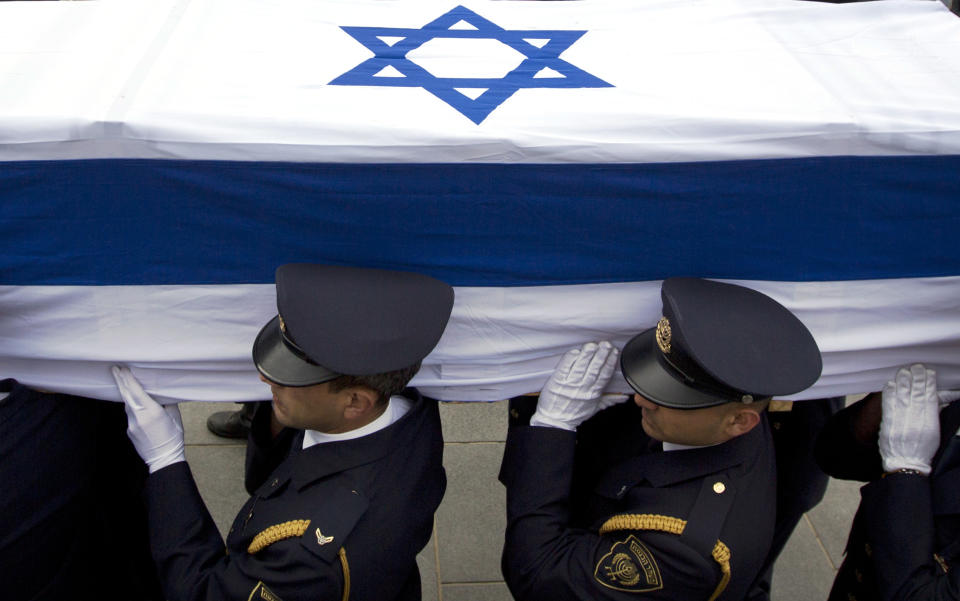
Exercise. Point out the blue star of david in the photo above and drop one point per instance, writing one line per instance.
(497, 91)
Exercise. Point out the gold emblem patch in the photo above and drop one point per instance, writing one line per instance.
(663, 335)
(262, 593)
(630, 567)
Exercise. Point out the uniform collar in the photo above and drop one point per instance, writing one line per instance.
(319, 461)
(396, 408)
(665, 469)
(674, 446)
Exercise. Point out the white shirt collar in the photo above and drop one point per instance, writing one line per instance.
(397, 407)
(673, 446)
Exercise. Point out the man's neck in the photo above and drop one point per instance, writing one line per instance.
(365, 420)
(392, 411)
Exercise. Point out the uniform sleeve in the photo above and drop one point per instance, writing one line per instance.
(544, 558)
(901, 531)
(194, 565)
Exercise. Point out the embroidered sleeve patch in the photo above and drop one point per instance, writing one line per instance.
(630, 567)
(262, 593)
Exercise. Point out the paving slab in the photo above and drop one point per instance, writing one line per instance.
(831, 519)
(803, 571)
(195, 416)
(474, 421)
(472, 518)
(427, 562)
(483, 591)
(218, 470)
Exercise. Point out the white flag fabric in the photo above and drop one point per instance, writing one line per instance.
(552, 161)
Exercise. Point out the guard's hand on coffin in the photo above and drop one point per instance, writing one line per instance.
(609, 400)
(910, 426)
(156, 431)
(572, 395)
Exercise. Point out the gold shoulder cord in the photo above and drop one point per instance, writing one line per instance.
(291, 529)
(277, 533)
(671, 525)
(346, 574)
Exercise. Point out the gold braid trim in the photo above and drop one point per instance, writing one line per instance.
(276, 533)
(721, 554)
(644, 521)
(346, 574)
(664, 523)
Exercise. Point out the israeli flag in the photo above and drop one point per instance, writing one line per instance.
(552, 161)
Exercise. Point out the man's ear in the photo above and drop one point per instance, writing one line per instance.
(361, 402)
(742, 421)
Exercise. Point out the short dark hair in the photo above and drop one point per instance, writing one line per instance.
(385, 385)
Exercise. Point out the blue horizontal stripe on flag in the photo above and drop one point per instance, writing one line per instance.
(138, 221)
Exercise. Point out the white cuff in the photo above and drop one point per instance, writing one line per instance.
(893, 464)
(158, 463)
(540, 420)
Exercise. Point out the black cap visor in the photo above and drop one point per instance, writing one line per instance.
(647, 373)
(279, 364)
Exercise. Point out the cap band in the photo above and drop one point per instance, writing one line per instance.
(291, 345)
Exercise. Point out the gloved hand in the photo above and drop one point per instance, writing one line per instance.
(156, 431)
(609, 400)
(910, 427)
(572, 395)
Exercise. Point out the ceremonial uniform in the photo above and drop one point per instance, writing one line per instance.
(345, 466)
(597, 509)
(686, 524)
(905, 540)
(339, 520)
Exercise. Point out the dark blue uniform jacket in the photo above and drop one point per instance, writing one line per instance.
(905, 540)
(72, 523)
(339, 520)
(604, 515)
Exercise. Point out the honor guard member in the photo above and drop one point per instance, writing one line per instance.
(343, 496)
(904, 543)
(606, 512)
(71, 516)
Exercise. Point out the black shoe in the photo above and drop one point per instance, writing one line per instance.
(231, 424)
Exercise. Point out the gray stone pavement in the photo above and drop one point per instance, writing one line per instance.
(462, 561)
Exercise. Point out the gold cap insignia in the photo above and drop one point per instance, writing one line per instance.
(321, 539)
(663, 335)
(629, 566)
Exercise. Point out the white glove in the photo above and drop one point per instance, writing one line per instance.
(910, 427)
(572, 395)
(156, 431)
(609, 400)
